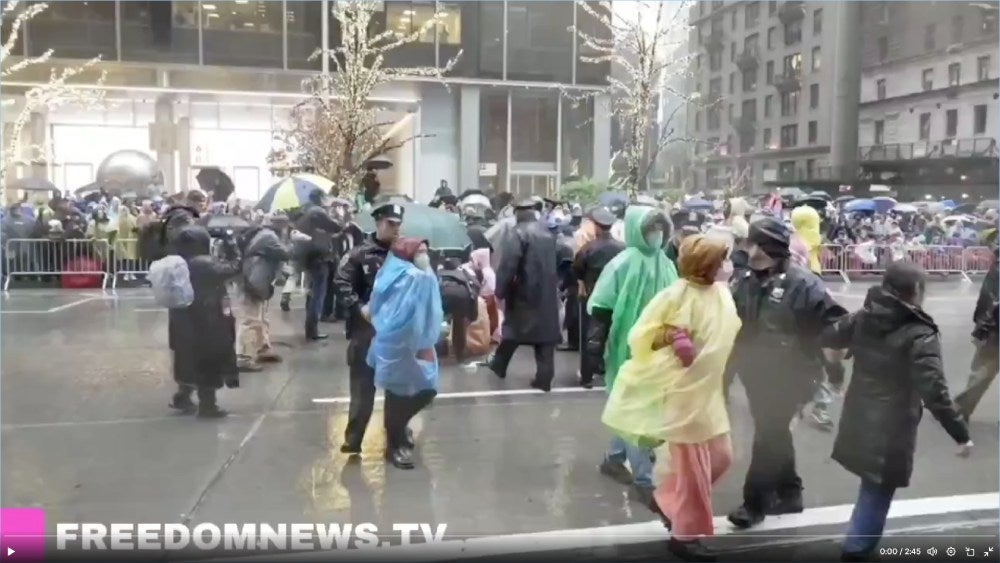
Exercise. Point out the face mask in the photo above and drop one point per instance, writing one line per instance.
(758, 260)
(725, 272)
(422, 261)
(655, 239)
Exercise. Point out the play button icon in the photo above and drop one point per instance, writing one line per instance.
(10, 552)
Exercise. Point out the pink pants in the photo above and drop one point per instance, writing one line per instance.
(685, 495)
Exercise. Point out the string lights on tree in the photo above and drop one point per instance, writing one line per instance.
(644, 47)
(338, 129)
(61, 88)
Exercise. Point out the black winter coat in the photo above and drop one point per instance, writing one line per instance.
(203, 335)
(263, 257)
(528, 283)
(897, 372)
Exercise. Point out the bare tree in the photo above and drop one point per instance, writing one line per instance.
(338, 129)
(58, 90)
(644, 50)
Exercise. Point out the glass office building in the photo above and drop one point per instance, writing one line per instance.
(199, 84)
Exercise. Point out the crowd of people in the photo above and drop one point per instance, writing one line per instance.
(667, 306)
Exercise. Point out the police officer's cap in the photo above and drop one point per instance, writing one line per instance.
(530, 204)
(685, 219)
(390, 211)
(602, 217)
(768, 231)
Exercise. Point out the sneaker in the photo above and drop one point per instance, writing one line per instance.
(248, 366)
(821, 421)
(744, 517)
(616, 470)
(788, 504)
(269, 356)
(211, 411)
(183, 403)
(692, 550)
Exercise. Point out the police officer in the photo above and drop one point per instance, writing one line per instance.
(355, 280)
(686, 223)
(784, 308)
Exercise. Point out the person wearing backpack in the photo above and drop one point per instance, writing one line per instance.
(263, 258)
(460, 298)
(202, 335)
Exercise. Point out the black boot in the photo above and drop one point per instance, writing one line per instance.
(789, 502)
(286, 302)
(401, 457)
(182, 402)
(408, 439)
(616, 470)
(692, 550)
(541, 386)
(207, 407)
(745, 517)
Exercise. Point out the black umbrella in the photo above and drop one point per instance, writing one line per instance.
(218, 225)
(216, 182)
(378, 165)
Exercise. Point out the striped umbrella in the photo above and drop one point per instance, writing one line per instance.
(292, 192)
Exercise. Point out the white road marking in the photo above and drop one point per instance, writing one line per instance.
(472, 394)
(861, 296)
(156, 310)
(628, 534)
(72, 304)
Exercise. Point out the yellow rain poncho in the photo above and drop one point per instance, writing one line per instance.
(806, 221)
(655, 399)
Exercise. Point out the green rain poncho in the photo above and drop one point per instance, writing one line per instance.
(627, 284)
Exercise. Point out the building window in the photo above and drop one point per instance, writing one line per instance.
(880, 89)
(732, 20)
(697, 61)
(883, 13)
(789, 104)
(792, 65)
(813, 132)
(879, 137)
(951, 123)
(767, 139)
(954, 74)
(159, 32)
(789, 136)
(730, 114)
(732, 52)
(786, 170)
(697, 121)
(813, 96)
(883, 48)
(793, 33)
(989, 23)
(818, 21)
(768, 102)
(957, 22)
(750, 80)
(929, 33)
(752, 14)
(769, 72)
(537, 43)
(752, 44)
(732, 82)
(925, 126)
(770, 38)
(983, 67)
(749, 110)
(810, 168)
(713, 119)
(927, 79)
(979, 119)
(715, 61)
(815, 59)
(772, 7)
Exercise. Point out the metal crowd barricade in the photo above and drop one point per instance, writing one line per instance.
(936, 259)
(126, 266)
(977, 259)
(831, 260)
(873, 259)
(56, 257)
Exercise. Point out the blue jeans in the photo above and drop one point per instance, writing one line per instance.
(868, 518)
(823, 397)
(640, 460)
(317, 274)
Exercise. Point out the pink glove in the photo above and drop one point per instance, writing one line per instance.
(683, 347)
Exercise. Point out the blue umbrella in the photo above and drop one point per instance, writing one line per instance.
(695, 204)
(883, 204)
(948, 204)
(609, 199)
(859, 205)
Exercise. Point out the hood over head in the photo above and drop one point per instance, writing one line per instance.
(405, 248)
(639, 218)
(192, 240)
(805, 219)
(886, 312)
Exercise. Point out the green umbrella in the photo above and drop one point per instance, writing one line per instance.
(442, 230)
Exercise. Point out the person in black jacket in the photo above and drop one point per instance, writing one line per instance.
(985, 362)
(460, 301)
(897, 373)
(263, 258)
(343, 243)
(355, 281)
(313, 256)
(202, 336)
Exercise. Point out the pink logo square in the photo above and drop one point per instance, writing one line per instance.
(22, 535)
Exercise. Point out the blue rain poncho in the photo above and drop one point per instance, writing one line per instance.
(406, 312)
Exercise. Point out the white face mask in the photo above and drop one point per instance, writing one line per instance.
(422, 261)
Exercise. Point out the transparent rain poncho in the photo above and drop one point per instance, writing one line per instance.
(406, 312)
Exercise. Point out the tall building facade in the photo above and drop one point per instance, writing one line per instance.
(763, 70)
(197, 84)
(929, 90)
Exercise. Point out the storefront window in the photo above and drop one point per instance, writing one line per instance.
(305, 34)
(483, 56)
(159, 31)
(449, 28)
(533, 129)
(587, 72)
(539, 45)
(493, 141)
(578, 138)
(242, 33)
(76, 30)
(405, 18)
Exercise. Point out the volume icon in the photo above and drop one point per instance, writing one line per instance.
(932, 551)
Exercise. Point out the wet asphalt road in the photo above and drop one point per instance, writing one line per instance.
(87, 435)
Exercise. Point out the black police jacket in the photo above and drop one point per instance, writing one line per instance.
(355, 280)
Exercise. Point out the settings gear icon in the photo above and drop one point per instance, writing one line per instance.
(950, 551)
